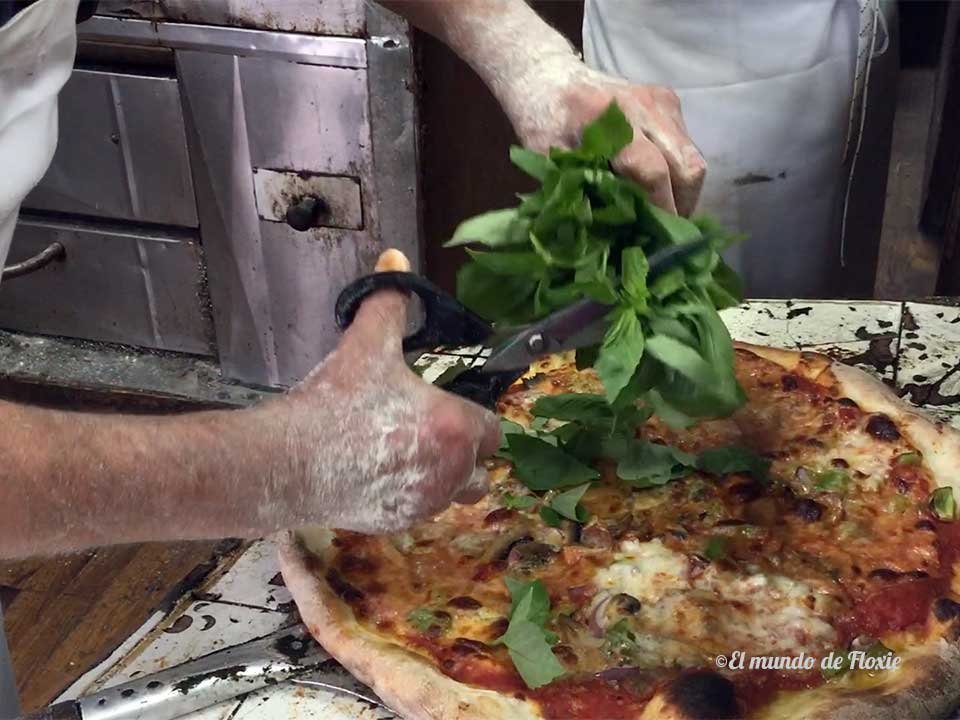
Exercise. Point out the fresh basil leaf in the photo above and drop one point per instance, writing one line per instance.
(674, 418)
(567, 504)
(550, 516)
(634, 268)
(646, 464)
(538, 423)
(667, 227)
(587, 356)
(528, 600)
(704, 383)
(518, 502)
(674, 327)
(493, 296)
(532, 163)
(733, 459)
(496, 228)
(541, 466)
(668, 282)
(607, 135)
(726, 290)
(619, 198)
(531, 654)
(524, 264)
(586, 445)
(586, 409)
(620, 352)
(586, 232)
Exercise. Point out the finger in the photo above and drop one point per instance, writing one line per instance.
(475, 488)
(385, 312)
(667, 130)
(489, 433)
(686, 164)
(643, 162)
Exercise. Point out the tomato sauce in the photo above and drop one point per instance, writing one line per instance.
(592, 699)
(755, 688)
(948, 543)
(895, 607)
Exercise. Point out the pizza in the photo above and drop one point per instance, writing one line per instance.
(820, 585)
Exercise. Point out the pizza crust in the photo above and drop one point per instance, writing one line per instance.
(405, 681)
(926, 685)
(939, 443)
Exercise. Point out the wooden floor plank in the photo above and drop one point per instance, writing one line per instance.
(64, 615)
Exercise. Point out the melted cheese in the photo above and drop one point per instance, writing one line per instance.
(647, 571)
(867, 456)
(716, 611)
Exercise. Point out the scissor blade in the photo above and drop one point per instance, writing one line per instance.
(563, 330)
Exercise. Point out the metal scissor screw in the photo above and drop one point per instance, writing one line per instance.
(536, 344)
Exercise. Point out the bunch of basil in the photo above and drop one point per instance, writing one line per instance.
(587, 232)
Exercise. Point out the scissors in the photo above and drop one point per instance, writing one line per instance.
(448, 323)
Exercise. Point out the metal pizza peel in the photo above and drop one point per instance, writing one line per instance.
(287, 655)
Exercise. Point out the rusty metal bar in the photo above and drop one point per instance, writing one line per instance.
(53, 251)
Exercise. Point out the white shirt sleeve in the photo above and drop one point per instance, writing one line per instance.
(37, 48)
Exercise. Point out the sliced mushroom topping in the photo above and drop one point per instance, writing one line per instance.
(625, 604)
(945, 609)
(882, 428)
(808, 510)
(466, 646)
(530, 556)
(746, 491)
(789, 382)
(502, 552)
(596, 536)
(464, 602)
(566, 654)
(762, 512)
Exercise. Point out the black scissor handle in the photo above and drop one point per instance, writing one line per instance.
(446, 321)
(482, 388)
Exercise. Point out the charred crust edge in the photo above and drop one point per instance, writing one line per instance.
(702, 694)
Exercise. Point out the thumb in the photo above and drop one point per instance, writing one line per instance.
(385, 312)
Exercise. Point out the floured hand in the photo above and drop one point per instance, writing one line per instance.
(550, 95)
(662, 157)
(370, 446)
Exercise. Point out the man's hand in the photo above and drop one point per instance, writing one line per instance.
(362, 444)
(549, 94)
(662, 157)
(374, 448)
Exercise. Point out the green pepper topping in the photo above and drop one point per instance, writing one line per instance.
(943, 505)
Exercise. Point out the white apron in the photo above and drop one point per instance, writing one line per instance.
(766, 88)
(37, 48)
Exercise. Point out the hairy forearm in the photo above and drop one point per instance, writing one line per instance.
(75, 480)
(516, 53)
